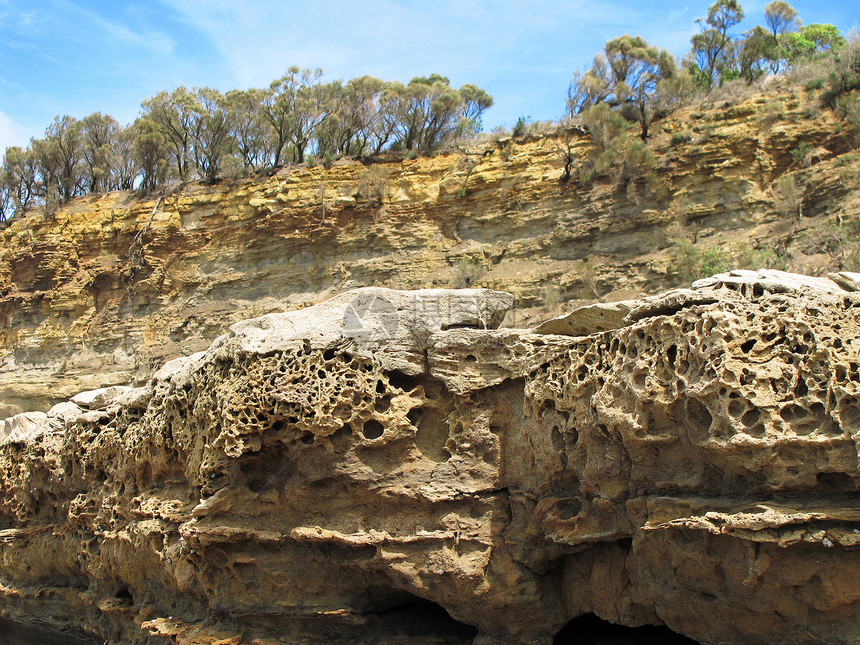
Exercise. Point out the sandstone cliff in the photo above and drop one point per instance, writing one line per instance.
(110, 287)
(346, 472)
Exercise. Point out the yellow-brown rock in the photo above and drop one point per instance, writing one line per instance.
(385, 467)
(109, 287)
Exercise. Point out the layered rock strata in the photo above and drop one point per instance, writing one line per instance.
(393, 467)
(110, 287)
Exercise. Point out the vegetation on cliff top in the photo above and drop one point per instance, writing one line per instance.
(206, 135)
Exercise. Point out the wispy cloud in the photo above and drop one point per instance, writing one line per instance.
(79, 56)
(12, 133)
(118, 33)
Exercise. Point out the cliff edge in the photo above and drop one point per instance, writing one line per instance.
(108, 288)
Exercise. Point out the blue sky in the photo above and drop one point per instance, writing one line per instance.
(77, 57)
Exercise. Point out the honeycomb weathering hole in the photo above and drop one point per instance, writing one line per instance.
(402, 381)
(836, 481)
(372, 429)
(699, 420)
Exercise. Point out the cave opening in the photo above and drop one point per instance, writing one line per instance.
(591, 630)
(406, 614)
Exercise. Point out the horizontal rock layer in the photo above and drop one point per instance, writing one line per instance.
(349, 471)
(111, 286)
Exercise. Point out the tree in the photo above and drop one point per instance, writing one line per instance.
(428, 110)
(631, 77)
(312, 108)
(151, 152)
(757, 54)
(6, 204)
(174, 114)
(386, 124)
(124, 170)
(475, 102)
(811, 41)
(211, 139)
(713, 51)
(638, 70)
(844, 76)
(782, 20)
(59, 158)
(589, 88)
(355, 113)
(98, 132)
(281, 107)
(20, 177)
(244, 109)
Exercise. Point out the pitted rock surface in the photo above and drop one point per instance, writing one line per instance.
(312, 479)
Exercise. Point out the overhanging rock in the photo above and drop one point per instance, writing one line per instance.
(344, 471)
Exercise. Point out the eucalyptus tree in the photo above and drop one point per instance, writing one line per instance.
(354, 111)
(386, 124)
(714, 48)
(123, 168)
(428, 110)
(313, 108)
(282, 107)
(99, 133)
(782, 20)
(631, 77)
(59, 160)
(812, 40)
(20, 177)
(211, 137)
(151, 152)
(638, 69)
(475, 102)
(250, 135)
(758, 53)
(175, 114)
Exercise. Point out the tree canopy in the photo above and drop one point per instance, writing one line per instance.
(200, 133)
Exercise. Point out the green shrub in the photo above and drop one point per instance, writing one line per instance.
(749, 257)
(849, 109)
(551, 296)
(788, 195)
(467, 272)
(604, 125)
(801, 154)
(691, 261)
(705, 133)
(521, 126)
(373, 185)
(844, 73)
(680, 138)
(773, 112)
(842, 160)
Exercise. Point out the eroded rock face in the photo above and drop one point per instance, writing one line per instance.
(352, 469)
(110, 287)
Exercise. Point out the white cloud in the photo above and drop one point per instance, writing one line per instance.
(115, 32)
(12, 133)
